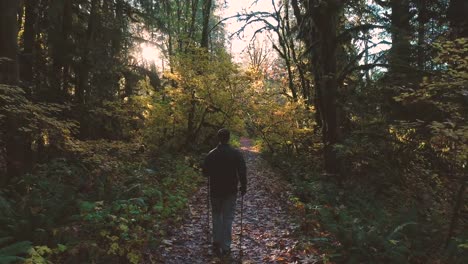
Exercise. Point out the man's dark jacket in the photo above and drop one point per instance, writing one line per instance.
(225, 167)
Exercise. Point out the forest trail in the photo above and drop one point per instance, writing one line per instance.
(269, 230)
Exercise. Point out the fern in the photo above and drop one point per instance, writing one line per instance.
(9, 254)
(399, 228)
(5, 205)
(6, 240)
(10, 259)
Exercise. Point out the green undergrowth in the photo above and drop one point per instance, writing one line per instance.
(100, 209)
(235, 140)
(348, 222)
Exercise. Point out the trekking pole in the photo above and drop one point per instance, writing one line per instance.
(241, 228)
(208, 210)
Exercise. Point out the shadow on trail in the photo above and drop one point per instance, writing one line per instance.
(268, 229)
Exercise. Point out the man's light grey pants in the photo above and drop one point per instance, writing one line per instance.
(223, 209)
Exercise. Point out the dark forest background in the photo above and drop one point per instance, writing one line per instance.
(100, 150)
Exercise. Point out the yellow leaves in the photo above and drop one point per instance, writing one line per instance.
(402, 133)
(37, 254)
(145, 114)
(123, 227)
(173, 76)
(113, 249)
(279, 113)
(445, 149)
(300, 206)
(204, 91)
(45, 138)
(422, 145)
(134, 257)
(113, 238)
(282, 123)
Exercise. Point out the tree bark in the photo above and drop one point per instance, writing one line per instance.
(457, 17)
(29, 36)
(191, 120)
(206, 21)
(191, 32)
(117, 39)
(399, 56)
(283, 38)
(8, 43)
(60, 13)
(14, 145)
(66, 30)
(422, 20)
(319, 25)
(305, 88)
(82, 87)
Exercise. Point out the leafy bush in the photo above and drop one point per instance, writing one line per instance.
(97, 208)
(354, 222)
(203, 94)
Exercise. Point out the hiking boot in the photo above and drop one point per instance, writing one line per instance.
(217, 250)
(226, 256)
(226, 252)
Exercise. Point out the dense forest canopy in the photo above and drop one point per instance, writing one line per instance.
(362, 104)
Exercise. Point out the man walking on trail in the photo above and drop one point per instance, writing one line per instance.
(225, 168)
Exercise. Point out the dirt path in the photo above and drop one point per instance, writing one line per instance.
(268, 235)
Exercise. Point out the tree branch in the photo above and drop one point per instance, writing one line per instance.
(347, 34)
(361, 67)
(348, 67)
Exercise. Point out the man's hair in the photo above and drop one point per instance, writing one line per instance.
(224, 135)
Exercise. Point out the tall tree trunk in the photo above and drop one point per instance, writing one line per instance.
(422, 20)
(284, 34)
(8, 43)
(12, 140)
(117, 43)
(305, 88)
(400, 53)
(60, 14)
(66, 30)
(191, 32)
(329, 86)
(206, 23)
(82, 87)
(457, 17)
(29, 35)
(319, 26)
(287, 60)
(285, 47)
(170, 37)
(118, 35)
(191, 120)
(179, 30)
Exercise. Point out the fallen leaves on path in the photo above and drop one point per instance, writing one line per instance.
(269, 230)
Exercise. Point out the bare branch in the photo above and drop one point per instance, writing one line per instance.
(347, 34)
(361, 67)
(348, 68)
(223, 20)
